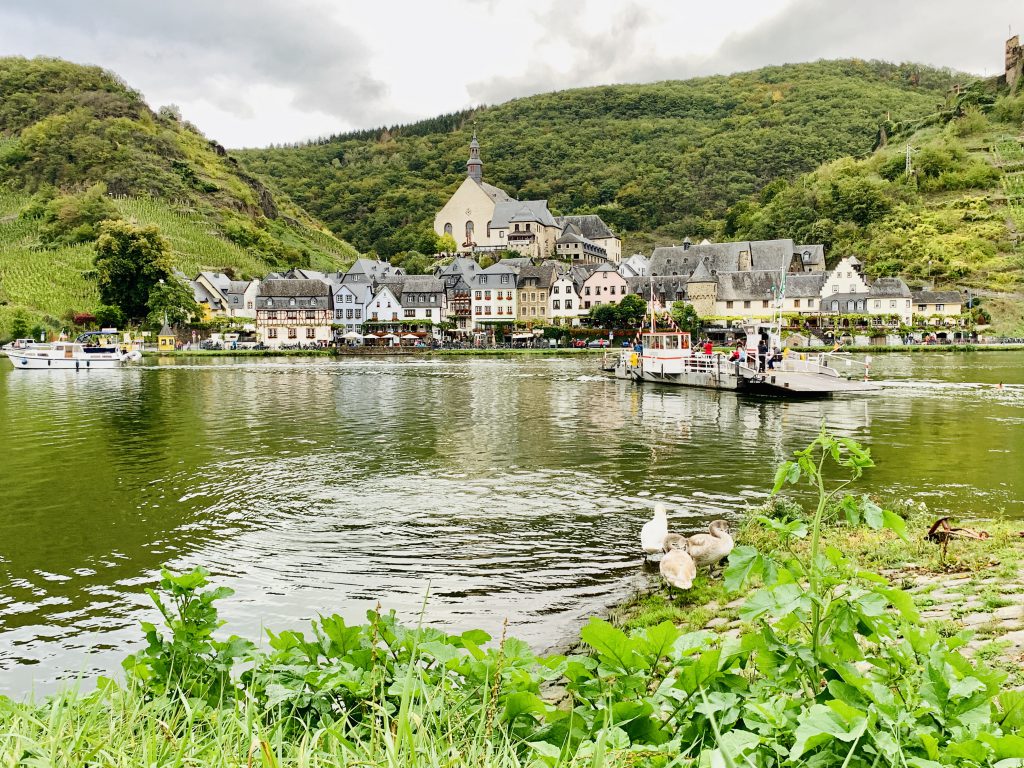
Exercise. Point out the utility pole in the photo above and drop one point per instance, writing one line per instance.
(908, 168)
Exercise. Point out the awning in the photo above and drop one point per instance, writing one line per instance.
(352, 335)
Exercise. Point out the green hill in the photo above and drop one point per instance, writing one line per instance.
(656, 161)
(956, 220)
(65, 128)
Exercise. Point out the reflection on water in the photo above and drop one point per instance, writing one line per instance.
(507, 488)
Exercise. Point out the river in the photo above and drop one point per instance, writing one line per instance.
(509, 488)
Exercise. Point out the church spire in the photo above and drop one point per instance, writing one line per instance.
(475, 166)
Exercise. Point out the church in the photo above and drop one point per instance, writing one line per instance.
(482, 218)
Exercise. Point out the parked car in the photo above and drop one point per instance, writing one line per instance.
(599, 343)
(579, 343)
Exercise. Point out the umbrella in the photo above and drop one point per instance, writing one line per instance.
(370, 336)
(410, 336)
(352, 335)
(389, 336)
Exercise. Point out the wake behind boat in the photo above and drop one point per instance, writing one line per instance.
(90, 350)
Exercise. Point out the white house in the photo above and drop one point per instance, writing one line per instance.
(493, 294)
(350, 300)
(565, 302)
(384, 307)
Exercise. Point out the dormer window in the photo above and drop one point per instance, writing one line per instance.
(291, 302)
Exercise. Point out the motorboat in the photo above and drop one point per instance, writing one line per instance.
(95, 349)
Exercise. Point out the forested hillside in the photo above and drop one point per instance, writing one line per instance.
(656, 161)
(77, 145)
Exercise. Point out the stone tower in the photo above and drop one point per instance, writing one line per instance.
(1014, 62)
(475, 166)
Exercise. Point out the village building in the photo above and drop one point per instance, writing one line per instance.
(565, 306)
(534, 288)
(350, 300)
(636, 265)
(604, 285)
(573, 247)
(458, 294)
(296, 311)
(424, 303)
(484, 218)
(493, 297)
(933, 307)
(384, 306)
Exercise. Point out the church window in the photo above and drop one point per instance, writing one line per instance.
(488, 230)
(448, 228)
(469, 230)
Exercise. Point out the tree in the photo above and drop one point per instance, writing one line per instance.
(109, 317)
(19, 325)
(130, 261)
(76, 218)
(604, 316)
(446, 244)
(631, 310)
(686, 318)
(171, 301)
(413, 262)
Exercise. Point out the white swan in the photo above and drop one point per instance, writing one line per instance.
(677, 567)
(708, 549)
(652, 535)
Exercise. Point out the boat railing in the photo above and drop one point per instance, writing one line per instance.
(824, 363)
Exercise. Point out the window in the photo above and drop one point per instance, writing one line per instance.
(339, 314)
(488, 230)
(835, 289)
(410, 313)
(359, 313)
(478, 293)
(271, 315)
(348, 314)
(796, 303)
(469, 230)
(429, 312)
(835, 306)
(922, 307)
(234, 299)
(348, 298)
(810, 303)
(487, 295)
(586, 291)
(291, 302)
(448, 229)
(764, 304)
(586, 305)
(522, 310)
(728, 305)
(248, 305)
(543, 296)
(504, 279)
(940, 307)
(272, 333)
(851, 305)
(311, 333)
(270, 302)
(487, 309)
(556, 304)
(483, 279)
(433, 298)
(517, 227)
(501, 234)
(612, 290)
(542, 310)
(292, 333)
(568, 303)
(554, 289)
(878, 303)
(310, 314)
(746, 305)
(853, 287)
(312, 302)
(478, 309)
(292, 314)
(533, 311)
(892, 304)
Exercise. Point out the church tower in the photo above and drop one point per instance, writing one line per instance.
(475, 166)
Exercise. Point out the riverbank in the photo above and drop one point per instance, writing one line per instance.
(919, 348)
(973, 587)
(383, 353)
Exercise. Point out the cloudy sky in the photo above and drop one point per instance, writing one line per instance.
(254, 72)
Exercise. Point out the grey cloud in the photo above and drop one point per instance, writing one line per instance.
(941, 33)
(214, 50)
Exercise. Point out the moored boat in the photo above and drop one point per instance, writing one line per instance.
(87, 352)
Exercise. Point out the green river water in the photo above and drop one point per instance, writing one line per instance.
(511, 488)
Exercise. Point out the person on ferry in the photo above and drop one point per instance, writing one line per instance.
(708, 348)
(762, 354)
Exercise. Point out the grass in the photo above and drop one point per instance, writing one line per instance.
(117, 728)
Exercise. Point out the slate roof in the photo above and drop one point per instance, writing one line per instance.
(937, 297)
(889, 287)
(422, 284)
(496, 194)
(201, 294)
(591, 226)
(811, 254)
(804, 285)
(701, 274)
(533, 210)
(544, 275)
(294, 288)
(765, 255)
(747, 286)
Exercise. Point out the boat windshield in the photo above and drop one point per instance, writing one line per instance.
(666, 341)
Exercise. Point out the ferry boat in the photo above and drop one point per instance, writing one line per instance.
(90, 350)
